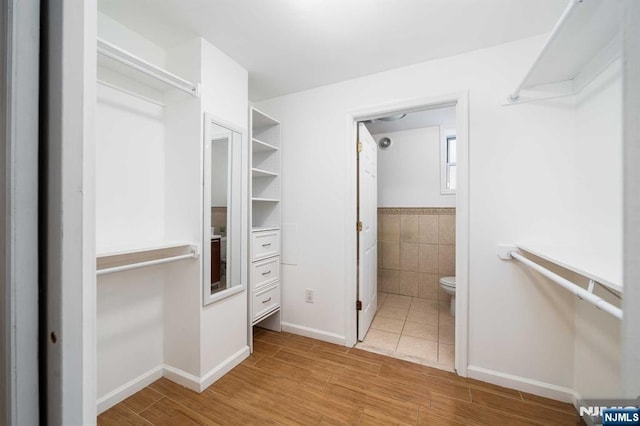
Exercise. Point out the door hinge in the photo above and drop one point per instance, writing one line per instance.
(359, 147)
(358, 305)
(359, 226)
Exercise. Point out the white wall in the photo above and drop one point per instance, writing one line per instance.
(519, 324)
(129, 169)
(597, 158)
(225, 93)
(130, 210)
(409, 171)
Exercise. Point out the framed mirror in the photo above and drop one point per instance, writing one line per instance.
(223, 214)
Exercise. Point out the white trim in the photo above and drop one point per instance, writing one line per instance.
(631, 109)
(461, 100)
(125, 391)
(314, 333)
(19, 110)
(181, 377)
(223, 368)
(524, 384)
(176, 375)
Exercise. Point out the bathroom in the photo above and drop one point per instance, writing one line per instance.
(416, 215)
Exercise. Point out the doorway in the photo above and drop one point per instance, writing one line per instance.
(421, 204)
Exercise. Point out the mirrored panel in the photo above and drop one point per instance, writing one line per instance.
(222, 243)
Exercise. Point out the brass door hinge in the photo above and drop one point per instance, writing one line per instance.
(359, 226)
(358, 305)
(359, 147)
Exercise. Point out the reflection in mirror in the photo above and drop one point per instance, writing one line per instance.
(219, 191)
(223, 204)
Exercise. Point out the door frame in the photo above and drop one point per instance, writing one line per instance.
(461, 101)
(19, 115)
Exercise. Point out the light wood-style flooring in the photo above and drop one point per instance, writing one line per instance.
(295, 380)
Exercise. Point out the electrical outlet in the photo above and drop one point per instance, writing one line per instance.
(308, 295)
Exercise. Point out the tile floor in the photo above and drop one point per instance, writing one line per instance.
(413, 329)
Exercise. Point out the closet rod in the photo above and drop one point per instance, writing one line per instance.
(192, 255)
(568, 285)
(119, 55)
(130, 93)
(514, 97)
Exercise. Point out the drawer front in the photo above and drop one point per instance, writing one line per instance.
(265, 272)
(265, 244)
(265, 300)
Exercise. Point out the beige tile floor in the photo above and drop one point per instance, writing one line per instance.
(417, 330)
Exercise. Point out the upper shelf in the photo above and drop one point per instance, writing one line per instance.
(260, 120)
(584, 31)
(137, 69)
(606, 271)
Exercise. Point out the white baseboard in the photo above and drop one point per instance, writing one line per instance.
(222, 369)
(125, 391)
(176, 375)
(524, 384)
(182, 378)
(314, 333)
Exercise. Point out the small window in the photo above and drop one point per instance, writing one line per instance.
(449, 154)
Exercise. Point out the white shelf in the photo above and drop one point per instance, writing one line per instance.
(584, 31)
(260, 146)
(264, 228)
(266, 200)
(137, 69)
(260, 120)
(604, 270)
(262, 173)
(139, 248)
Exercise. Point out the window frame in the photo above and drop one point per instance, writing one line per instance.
(445, 135)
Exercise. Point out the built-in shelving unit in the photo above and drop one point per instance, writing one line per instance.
(124, 71)
(606, 271)
(266, 207)
(584, 41)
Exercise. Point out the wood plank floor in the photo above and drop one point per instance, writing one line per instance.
(295, 380)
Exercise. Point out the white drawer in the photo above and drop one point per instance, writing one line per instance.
(265, 300)
(265, 244)
(265, 272)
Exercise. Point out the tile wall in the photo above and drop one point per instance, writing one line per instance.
(416, 246)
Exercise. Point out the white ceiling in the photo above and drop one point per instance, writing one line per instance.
(415, 120)
(292, 45)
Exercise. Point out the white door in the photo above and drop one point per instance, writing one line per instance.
(368, 235)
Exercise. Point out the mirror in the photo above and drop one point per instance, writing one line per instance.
(222, 241)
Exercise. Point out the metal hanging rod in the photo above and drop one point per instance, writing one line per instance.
(192, 255)
(586, 295)
(122, 56)
(515, 96)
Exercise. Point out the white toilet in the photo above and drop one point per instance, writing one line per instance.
(448, 284)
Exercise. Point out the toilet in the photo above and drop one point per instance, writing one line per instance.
(448, 284)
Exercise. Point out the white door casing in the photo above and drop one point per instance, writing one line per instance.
(368, 235)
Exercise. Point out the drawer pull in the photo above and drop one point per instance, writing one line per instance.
(266, 273)
(266, 245)
(267, 301)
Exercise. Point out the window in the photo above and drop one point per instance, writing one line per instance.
(448, 154)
